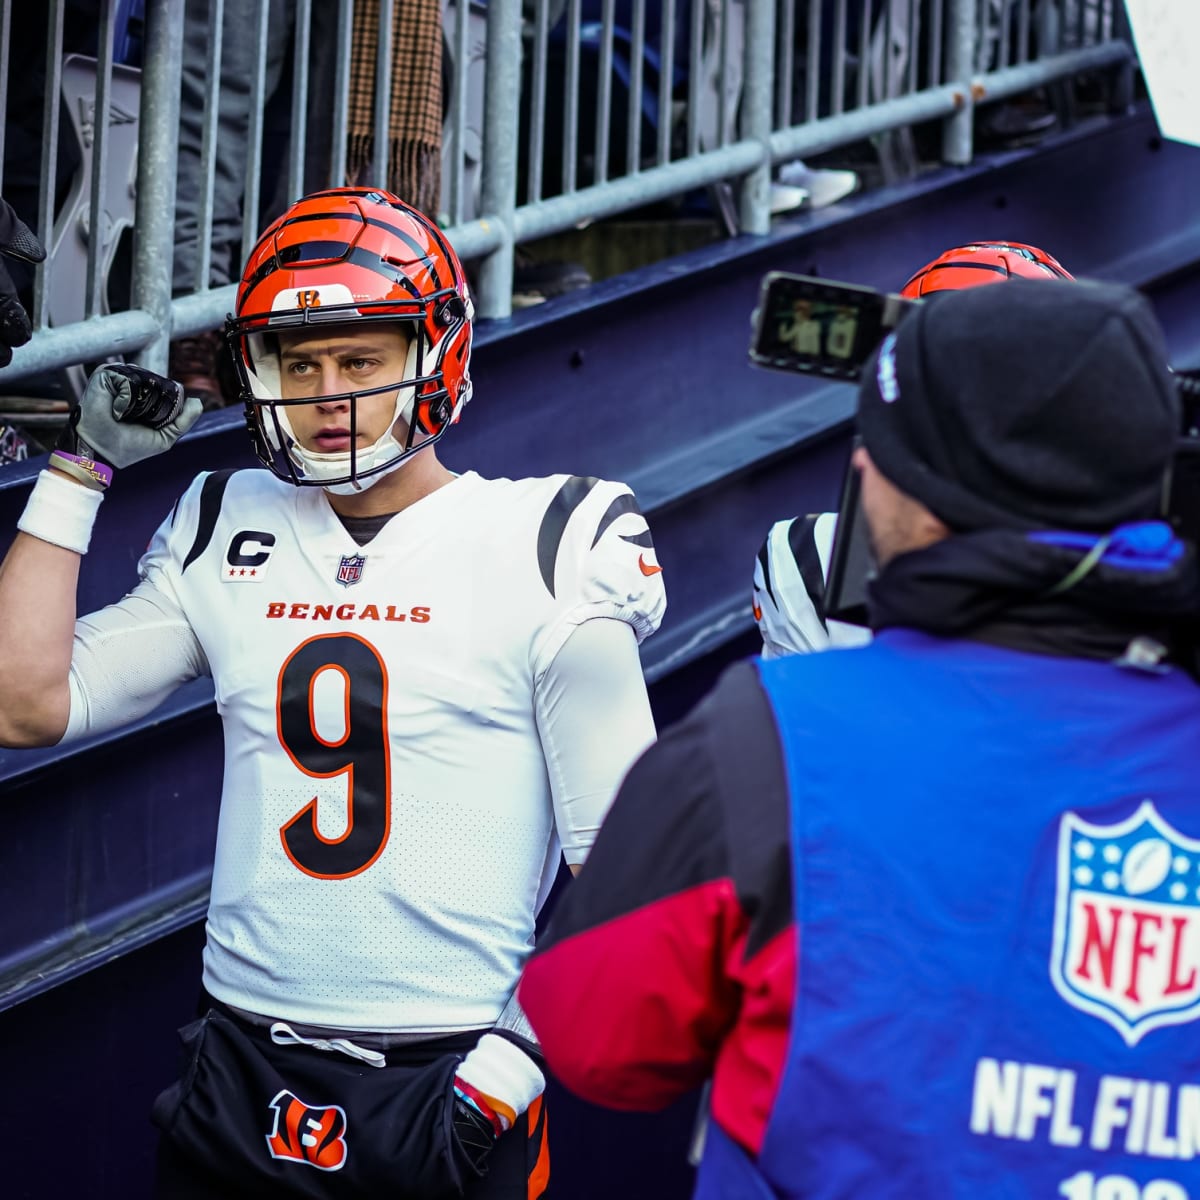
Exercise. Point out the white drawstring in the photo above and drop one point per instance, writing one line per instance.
(283, 1034)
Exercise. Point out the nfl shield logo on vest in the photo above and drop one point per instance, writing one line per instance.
(1127, 922)
(350, 569)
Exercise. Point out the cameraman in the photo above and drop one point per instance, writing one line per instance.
(928, 911)
(792, 565)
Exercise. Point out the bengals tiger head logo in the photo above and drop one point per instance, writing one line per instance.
(304, 1134)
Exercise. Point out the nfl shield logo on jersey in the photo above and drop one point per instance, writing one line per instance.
(1127, 922)
(350, 569)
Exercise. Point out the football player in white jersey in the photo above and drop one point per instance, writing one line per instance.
(430, 689)
(793, 562)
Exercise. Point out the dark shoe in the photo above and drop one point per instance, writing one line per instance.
(193, 362)
(1020, 123)
(534, 282)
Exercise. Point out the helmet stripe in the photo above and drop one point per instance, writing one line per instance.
(444, 245)
(426, 261)
(957, 266)
(362, 257)
(357, 255)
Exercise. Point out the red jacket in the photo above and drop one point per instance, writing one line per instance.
(672, 957)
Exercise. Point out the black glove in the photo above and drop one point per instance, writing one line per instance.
(127, 414)
(17, 241)
(474, 1137)
(496, 1082)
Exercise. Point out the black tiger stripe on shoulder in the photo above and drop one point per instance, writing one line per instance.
(212, 492)
(644, 539)
(554, 523)
(624, 503)
(764, 561)
(802, 541)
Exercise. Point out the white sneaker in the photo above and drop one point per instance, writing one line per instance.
(824, 186)
(785, 197)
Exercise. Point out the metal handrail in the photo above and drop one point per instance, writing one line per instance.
(953, 90)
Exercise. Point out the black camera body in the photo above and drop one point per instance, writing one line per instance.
(827, 329)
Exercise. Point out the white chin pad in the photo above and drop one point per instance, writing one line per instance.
(312, 464)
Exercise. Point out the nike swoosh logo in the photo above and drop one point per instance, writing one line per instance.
(648, 568)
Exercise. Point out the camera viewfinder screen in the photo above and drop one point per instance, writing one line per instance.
(816, 327)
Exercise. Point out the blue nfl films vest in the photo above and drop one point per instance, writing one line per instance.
(997, 891)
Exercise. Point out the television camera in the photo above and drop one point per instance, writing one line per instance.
(828, 329)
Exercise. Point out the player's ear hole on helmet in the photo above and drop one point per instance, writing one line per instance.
(450, 310)
(431, 415)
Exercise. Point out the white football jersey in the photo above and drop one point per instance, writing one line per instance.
(789, 589)
(386, 832)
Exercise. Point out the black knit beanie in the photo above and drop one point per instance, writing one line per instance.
(1037, 404)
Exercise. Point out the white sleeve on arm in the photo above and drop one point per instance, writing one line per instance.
(128, 658)
(594, 719)
(790, 574)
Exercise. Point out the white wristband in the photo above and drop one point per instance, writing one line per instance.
(60, 512)
(504, 1074)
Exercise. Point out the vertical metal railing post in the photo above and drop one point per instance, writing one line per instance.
(208, 143)
(5, 43)
(453, 187)
(957, 134)
(837, 99)
(381, 114)
(94, 280)
(935, 43)
(298, 142)
(604, 91)
(1120, 97)
(570, 143)
(666, 73)
(254, 130)
(633, 135)
(785, 65)
(498, 184)
(537, 101)
(158, 145)
(49, 167)
(341, 94)
(758, 93)
(695, 54)
(812, 67)
(865, 25)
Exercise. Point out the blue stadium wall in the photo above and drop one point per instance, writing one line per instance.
(643, 378)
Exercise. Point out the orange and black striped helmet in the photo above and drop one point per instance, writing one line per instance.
(340, 257)
(982, 262)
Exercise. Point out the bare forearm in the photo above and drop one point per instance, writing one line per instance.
(39, 575)
(37, 625)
